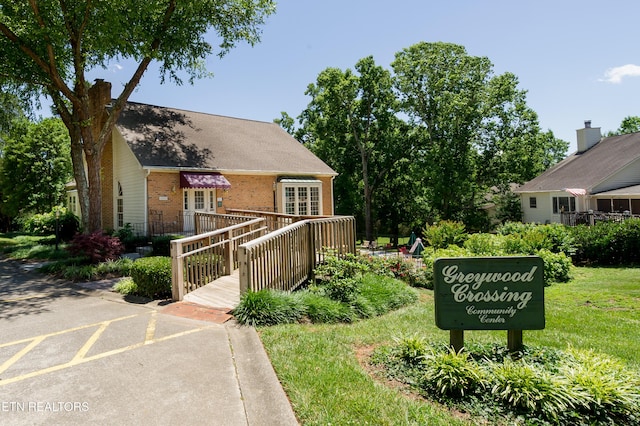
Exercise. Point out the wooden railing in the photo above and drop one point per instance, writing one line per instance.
(286, 258)
(593, 217)
(207, 222)
(201, 259)
(274, 220)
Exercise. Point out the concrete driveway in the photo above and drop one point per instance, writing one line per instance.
(75, 356)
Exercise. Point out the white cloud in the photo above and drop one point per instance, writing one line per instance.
(115, 68)
(615, 75)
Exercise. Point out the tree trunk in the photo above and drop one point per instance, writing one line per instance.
(94, 219)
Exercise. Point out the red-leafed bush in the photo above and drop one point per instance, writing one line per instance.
(98, 247)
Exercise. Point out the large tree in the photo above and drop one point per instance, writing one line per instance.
(475, 130)
(351, 123)
(48, 46)
(35, 166)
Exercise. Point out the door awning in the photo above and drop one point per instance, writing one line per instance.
(203, 180)
(576, 192)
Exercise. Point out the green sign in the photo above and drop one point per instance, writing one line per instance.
(489, 293)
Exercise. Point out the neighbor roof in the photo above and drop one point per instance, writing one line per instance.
(173, 138)
(589, 168)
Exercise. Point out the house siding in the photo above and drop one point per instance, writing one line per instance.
(627, 176)
(129, 173)
(543, 210)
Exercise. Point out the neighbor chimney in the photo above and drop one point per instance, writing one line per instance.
(587, 137)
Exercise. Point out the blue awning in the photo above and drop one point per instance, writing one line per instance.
(203, 180)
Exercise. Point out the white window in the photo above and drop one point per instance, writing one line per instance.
(72, 205)
(300, 197)
(120, 207)
(198, 200)
(564, 204)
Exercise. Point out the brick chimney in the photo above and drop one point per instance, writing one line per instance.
(587, 137)
(99, 97)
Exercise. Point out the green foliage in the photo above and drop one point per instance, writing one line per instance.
(610, 391)
(45, 223)
(450, 374)
(485, 244)
(126, 286)
(385, 294)
(268, 307)
(161, 245)
(528, 389)
(608, 243)
(345, 292)
(152, 276)
(36, 165)
(445, 233)
(321, 309)
(557, 266)
(130, 240)
(545, 385)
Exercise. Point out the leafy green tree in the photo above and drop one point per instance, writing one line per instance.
(48, 46)
(351, 123)
(474, 130)
(629, 124)
(35, 167)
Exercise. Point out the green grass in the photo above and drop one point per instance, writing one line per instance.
(319, 368)
(25, 247)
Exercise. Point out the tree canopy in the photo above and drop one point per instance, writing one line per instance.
(35, 166)
(428, 141)
(629, 124)
(48, 47)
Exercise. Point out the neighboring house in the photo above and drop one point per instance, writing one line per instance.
(603, 175)
(164, 164)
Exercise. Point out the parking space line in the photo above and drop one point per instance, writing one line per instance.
(15, 358)
(80, 356)
(151, 328)
(89, 343)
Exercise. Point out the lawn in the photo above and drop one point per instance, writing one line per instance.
(320, 366)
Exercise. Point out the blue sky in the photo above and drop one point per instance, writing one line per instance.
(578, 60)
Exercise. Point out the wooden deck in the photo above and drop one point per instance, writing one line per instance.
(223, 293)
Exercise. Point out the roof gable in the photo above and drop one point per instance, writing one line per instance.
(172, 138)
(590, 168)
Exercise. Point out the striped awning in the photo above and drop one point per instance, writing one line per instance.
(203, 180)
(576, 192)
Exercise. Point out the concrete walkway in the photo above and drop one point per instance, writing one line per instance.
(81, 354)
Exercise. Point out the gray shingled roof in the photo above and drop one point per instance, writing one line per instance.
(590, 168)
(167, 137)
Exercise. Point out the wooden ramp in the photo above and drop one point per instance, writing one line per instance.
(223, 293)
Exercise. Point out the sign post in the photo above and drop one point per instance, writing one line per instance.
(489, 293)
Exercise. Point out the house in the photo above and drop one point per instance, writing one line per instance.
(163, 164)
(603, 175)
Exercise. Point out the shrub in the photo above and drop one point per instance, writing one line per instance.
(45, 223)
(445, 233)
(268, 307)
(320, 309)
(129, 239)
(529, 389)
(126, 286)
(152, 275)
(610, 391)
(608, 243)
(161, 245)
(448, 373)
(412, 350)
(98, 247)
(385, 293)
(485, 245)
(557, 267)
